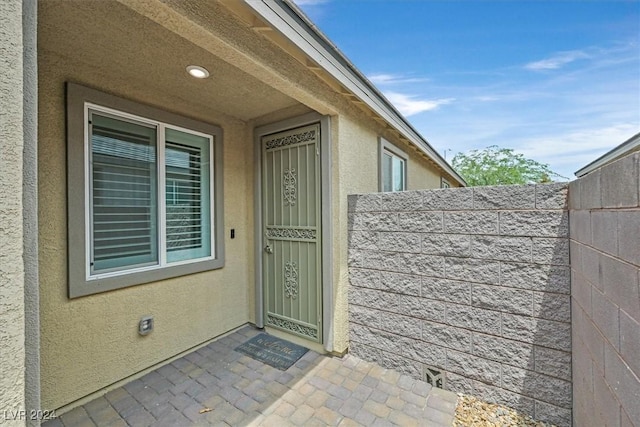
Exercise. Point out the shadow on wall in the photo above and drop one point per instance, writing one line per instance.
(469, 286)
(605, 263)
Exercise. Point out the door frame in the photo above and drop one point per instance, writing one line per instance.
(326, 217)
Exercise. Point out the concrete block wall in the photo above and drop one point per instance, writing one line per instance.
(470, 282)
(605, 294)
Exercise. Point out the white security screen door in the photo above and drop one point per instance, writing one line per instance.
(292, 256)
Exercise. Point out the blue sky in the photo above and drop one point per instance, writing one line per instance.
(558, 81)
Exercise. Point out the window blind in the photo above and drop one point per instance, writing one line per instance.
(123, 185)
(188, 226)
(184, 212)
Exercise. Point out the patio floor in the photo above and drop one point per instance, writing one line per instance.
(217, 386)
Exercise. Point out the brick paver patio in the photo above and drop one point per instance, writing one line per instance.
(217, 386)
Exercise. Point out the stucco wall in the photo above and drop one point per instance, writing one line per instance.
(91, 342)
(605, 294)
(472, 282)
(420, 174)
(30, 207)
(356, 156)
(12, 274)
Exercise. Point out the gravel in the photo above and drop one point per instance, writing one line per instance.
(473, 412)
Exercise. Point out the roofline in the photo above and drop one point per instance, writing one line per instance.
(630, 145)
(292, 23)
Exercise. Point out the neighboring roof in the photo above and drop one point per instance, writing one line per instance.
(630, 145)
(291, 22)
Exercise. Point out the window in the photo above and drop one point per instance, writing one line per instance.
(144, 193)
(393, 167)
(444, 183)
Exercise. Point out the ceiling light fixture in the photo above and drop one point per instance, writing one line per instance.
(197, 72)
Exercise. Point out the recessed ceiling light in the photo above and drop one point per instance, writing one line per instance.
(198, 72)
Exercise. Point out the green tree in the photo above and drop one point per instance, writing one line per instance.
(502, 166)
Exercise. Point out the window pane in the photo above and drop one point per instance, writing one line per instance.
(187, 192)
(123, 194)
(387, 175)
(398, 174)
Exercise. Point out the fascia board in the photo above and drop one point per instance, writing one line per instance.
(327, 56)
(630, 145)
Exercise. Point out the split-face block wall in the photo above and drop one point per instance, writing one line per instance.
(473, 290)
(605, 294)
(469, 289)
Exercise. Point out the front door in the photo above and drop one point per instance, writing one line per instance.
(292, 256)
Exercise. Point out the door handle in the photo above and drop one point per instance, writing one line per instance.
(268, 249)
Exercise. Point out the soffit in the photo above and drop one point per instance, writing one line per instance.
(109, 35)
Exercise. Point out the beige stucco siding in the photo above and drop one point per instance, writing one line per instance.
(356, 163)
(91, 342)
(356, 170)
(12, 274)
(420, 175)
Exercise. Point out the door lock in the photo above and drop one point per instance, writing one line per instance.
(268, 249)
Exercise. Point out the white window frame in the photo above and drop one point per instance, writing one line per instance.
(80, 102)
(385, 147)
(444, 183)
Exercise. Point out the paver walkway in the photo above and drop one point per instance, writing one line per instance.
(217, 386)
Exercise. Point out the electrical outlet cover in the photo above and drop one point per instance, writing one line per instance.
(146, 325)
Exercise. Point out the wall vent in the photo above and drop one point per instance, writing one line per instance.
(435, 377)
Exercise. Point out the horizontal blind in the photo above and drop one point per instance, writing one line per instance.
(123, 193)
(187, 188)
(184, 196)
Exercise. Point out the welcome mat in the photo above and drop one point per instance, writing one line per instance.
(273, 351)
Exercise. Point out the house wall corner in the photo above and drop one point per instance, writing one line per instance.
(19, 381)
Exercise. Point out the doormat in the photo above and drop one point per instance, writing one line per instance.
(273, 351)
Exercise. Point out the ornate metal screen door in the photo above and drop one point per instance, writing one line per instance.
(291, 218)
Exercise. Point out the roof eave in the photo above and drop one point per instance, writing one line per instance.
(286, 18)
(630, 145)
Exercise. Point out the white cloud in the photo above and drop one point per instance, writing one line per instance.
(310, 2)
(487, 98)
(557, 60)
(409, 105)
(599, 56)
(383, 78)
(592, 142)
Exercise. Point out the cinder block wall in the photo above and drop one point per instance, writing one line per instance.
(472, 282)
(605, 295)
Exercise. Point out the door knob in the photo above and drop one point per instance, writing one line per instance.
(268, 249)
